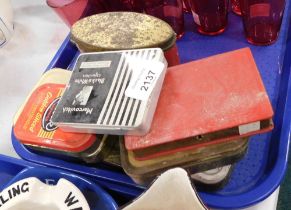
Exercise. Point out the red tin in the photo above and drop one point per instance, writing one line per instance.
(214, 100)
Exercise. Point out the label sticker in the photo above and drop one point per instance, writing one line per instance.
(145, 75)
(247, 128)
(95, 64)
(196, 18)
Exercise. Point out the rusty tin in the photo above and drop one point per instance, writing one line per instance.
(194, 161)
(125, 30)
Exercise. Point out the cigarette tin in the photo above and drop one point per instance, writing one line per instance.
(34, 129)
(113, 92)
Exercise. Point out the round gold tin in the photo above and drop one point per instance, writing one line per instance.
(124, 31)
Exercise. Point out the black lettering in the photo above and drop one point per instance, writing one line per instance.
(25, 189)
(70, 200)
(146, 83)
(10, 195)
(144, 88)
(80, 208)
(150, 77)
(150, 72)
(3, 200)
(16, 191)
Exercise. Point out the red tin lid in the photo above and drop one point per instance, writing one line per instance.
(208, 95)
(34, 127)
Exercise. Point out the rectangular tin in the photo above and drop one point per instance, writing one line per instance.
(216, 99)
(34, 129)
(195, 160)
(95, 100)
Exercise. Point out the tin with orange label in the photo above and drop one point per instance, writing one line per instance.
(35, 130)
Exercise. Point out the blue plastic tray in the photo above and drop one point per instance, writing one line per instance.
(90, 190)
(10, 167)
(261, 171)
(13, 170)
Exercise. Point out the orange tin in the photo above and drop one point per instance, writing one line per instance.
(34, 127)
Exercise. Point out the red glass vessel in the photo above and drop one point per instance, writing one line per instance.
(235, 7)
(262, 20)
(186, 6)
(170, 11)
(123, 5)
(210, 16)
(72, 10)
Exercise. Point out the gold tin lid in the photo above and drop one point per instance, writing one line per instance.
(87, 48)
(121, 30)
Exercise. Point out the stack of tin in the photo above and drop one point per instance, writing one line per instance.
(206, 112)
(122, 105)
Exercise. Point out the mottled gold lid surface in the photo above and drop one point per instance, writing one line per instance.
(121, 30)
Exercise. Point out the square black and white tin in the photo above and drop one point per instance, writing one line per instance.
(112, 92)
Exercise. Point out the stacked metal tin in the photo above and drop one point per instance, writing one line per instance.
(195, 160)
(34, 129)
(199, 118)
(207, 110)
(112, 92)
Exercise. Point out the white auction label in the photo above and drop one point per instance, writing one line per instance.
(145, 75)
